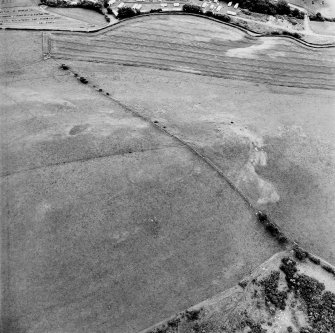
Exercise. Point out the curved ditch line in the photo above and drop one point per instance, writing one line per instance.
(124, 21)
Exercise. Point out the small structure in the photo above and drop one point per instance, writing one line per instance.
(204, 5)
(164, 4)
(120, 5)
(236, 6)
(229, 4)
(218, 8)
(176, 4)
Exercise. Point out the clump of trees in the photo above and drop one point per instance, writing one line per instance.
(222, 17)
(188, 8)
(97, 6)
(286, 33)
(270, 8)
(125, 12)
(320, 18)
(194, 9)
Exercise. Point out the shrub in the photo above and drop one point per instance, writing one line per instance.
(174, 323)
(262, 217)
(192, 315)
(83, 80)
(158, 10)
(209, 13)
(297, 13)
(192, 9)
(64, 67)
(317, 17)
(299, 253)
(314, 260)
(97, 6)
(283, 8)
(243, 284)
(282, 238)
(272, 229)
(292, 34)
(328, 269)
(222, 17)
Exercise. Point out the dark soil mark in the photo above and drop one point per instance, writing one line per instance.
(78, 129)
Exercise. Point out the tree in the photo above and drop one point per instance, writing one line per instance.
(192, 9)
(125, 12)
(283, 8)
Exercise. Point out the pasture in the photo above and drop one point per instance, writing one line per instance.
(111, 224)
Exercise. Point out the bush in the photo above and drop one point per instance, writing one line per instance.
(272, 229)
(297, 14)
(192, 9)
(209, 13)
(158, 10)
(64, 67)
(126, 12)
(283, 8)
(192, 315)
(299, 253)
(222, 17)
(314, 260)
(328, 269)
(292, 34)
(262, 217)
(282, 238)
(317, 17)
(83, 80)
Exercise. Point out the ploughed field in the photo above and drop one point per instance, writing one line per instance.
(201, 46)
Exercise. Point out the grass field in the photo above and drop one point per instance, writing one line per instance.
(326, 7)
(275, 150)
(200, 46)
(110, 224)
(80, 14)
(27, 14)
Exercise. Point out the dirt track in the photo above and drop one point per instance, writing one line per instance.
(199, 46)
